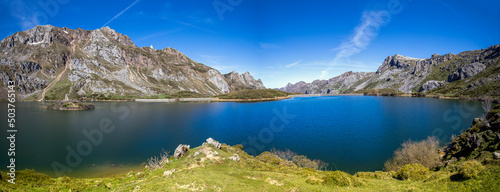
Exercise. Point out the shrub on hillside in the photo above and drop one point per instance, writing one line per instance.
(413, 172)
(341, 179)
(424, 152)
(239, 146)
(470, 169)
(286, 154)
(157, 162)
(269, 158)
(300, 160)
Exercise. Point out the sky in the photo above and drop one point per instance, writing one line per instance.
(278, 41)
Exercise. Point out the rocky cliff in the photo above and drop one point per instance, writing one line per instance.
(467, 73)
(243, 81)
(48, 62)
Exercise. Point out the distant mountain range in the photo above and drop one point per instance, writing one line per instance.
(51, 63)
(471, 73)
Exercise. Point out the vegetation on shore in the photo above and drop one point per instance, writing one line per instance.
(254, 94)
(431, 94)
(70, 105)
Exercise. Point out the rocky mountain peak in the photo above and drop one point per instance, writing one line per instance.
(102, 63)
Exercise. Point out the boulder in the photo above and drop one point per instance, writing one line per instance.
(180, 151)
(430, 85)
(213, 142)
(235, 157)
(496, 155)
(466, 71)
(476, 121)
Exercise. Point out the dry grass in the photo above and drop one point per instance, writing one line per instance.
(424, 152)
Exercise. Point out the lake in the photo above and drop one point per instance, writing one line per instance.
(351, 133)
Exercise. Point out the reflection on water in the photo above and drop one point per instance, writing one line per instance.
(351, 133)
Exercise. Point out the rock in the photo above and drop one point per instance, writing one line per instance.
(496, 155)
(168, 173)
(476, 121)
(235, 157)
(466, 71)
(430, 85)
(216, 144)
(180, 151)
(196, 153)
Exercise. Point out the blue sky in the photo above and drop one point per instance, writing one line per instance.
(278, 41)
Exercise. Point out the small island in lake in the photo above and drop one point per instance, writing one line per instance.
(70, 106)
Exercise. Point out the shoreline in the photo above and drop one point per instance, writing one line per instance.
(215, 99)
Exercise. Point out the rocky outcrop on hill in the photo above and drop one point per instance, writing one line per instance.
(430, 85)
(48, 62)
(180, 151)
(466, 71)
(481, 141)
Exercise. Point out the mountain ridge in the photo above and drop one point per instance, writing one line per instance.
(466, 72)
(51, 63)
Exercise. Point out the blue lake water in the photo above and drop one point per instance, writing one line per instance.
(351, 133)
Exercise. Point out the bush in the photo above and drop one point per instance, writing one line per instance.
(424, 152)
(157, 162)
(313, 180)
(303, 161)
(286, 154)
(470, 169)
(412, 172)
(239, 146)
(374, 175)
(340, 178)
(300, 160)
(269, 158)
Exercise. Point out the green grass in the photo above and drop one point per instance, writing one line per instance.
(218, 173)
(254, 94)
(60, 89)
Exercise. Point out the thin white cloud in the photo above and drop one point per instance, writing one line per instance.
(119, 14)
(293, 64)
(364, 33)
(268, 45)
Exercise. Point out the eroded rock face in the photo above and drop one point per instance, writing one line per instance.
(104, 62)
(430, 85)
(180, 151)
(466, 71)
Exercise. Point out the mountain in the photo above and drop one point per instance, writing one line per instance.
(243, 81)
(340, 84)
(48, 62)
(472, 73)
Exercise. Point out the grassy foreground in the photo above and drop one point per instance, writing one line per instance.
(212, 170)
